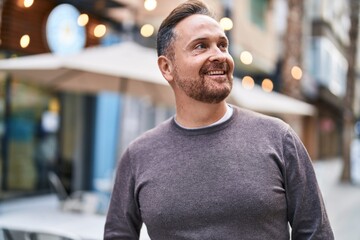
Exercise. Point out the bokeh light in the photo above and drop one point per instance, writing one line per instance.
(83, 19)
(296, 72)
(150, 4)
(147, 30)
(267, 85)
(25, 41)
(248, 82)
(226, 23)
(100, 30)
(246, 57)
(28, 3)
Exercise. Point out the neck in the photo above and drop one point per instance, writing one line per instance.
(198, 114)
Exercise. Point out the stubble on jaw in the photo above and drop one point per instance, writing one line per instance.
(202, 90)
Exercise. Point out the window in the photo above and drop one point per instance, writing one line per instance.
(258, 12)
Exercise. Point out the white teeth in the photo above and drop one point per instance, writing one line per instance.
(215, 73)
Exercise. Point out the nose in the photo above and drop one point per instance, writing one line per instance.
(218, 55)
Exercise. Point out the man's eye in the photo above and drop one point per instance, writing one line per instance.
(200, 46)
(223, 45)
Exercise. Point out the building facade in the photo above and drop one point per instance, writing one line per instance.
(326, 63)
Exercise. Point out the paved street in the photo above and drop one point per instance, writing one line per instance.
(342, 200)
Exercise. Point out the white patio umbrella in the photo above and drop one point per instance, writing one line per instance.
(130, 68)
(268, 102)
(126, 67)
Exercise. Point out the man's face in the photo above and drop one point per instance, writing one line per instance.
(202, 63)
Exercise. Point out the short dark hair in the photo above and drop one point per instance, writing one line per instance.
(166, 33)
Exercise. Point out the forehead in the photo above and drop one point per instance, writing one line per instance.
(198, 26)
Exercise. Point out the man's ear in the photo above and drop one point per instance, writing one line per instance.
(166, 68)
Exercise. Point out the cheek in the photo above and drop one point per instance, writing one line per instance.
(231, 62)
(189, 69)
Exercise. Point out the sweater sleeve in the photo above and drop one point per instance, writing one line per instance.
(306, 210)
(123, 219)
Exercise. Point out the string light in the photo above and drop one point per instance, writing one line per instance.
(296, 72)
(248, 82)
(147, 30)
(100, 30)
(267, 85)
(83, 19)
(25, 41)
(150, 4)
(226, 23)
(28, 3)
(246, 57)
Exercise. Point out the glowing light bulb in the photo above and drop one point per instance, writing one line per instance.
(296, 72)
(248, 82)
(226, 23)
(28, 3)
(100, 30)
(150, 4)
(246, 57)
(147, 30)
(267, 85)
(25, 41)
(83, 19)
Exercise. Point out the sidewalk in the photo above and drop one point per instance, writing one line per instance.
(342, 200)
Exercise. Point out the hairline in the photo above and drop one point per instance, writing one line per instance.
(167, 49)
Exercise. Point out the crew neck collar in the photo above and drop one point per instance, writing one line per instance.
(227, 115)
(218, 125)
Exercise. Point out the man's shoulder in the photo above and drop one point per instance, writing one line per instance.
(257, 117)
(153, 135)
(255, 123)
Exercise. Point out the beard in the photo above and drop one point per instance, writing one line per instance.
(208, 91)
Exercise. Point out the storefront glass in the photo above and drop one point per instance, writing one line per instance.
(29, 123)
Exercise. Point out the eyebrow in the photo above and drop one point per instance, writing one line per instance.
(206, 39)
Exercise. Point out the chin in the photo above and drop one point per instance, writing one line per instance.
(213, 98)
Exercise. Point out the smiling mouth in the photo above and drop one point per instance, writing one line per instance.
(215, 73)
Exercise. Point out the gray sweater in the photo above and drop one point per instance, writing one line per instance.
(247, 178)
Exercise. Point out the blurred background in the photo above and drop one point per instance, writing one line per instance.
(79, 81)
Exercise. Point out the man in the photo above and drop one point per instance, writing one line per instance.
(213, 171)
